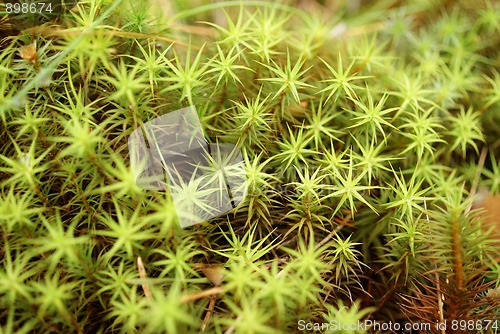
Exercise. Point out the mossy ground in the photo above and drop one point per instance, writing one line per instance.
(367, 129)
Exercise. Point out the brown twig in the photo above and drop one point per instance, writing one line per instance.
(210, 310)
(202, 294)
(55, 32)
(282, 260)
(142, 275)
(331, 234)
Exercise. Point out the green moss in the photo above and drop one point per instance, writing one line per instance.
(365, 134)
